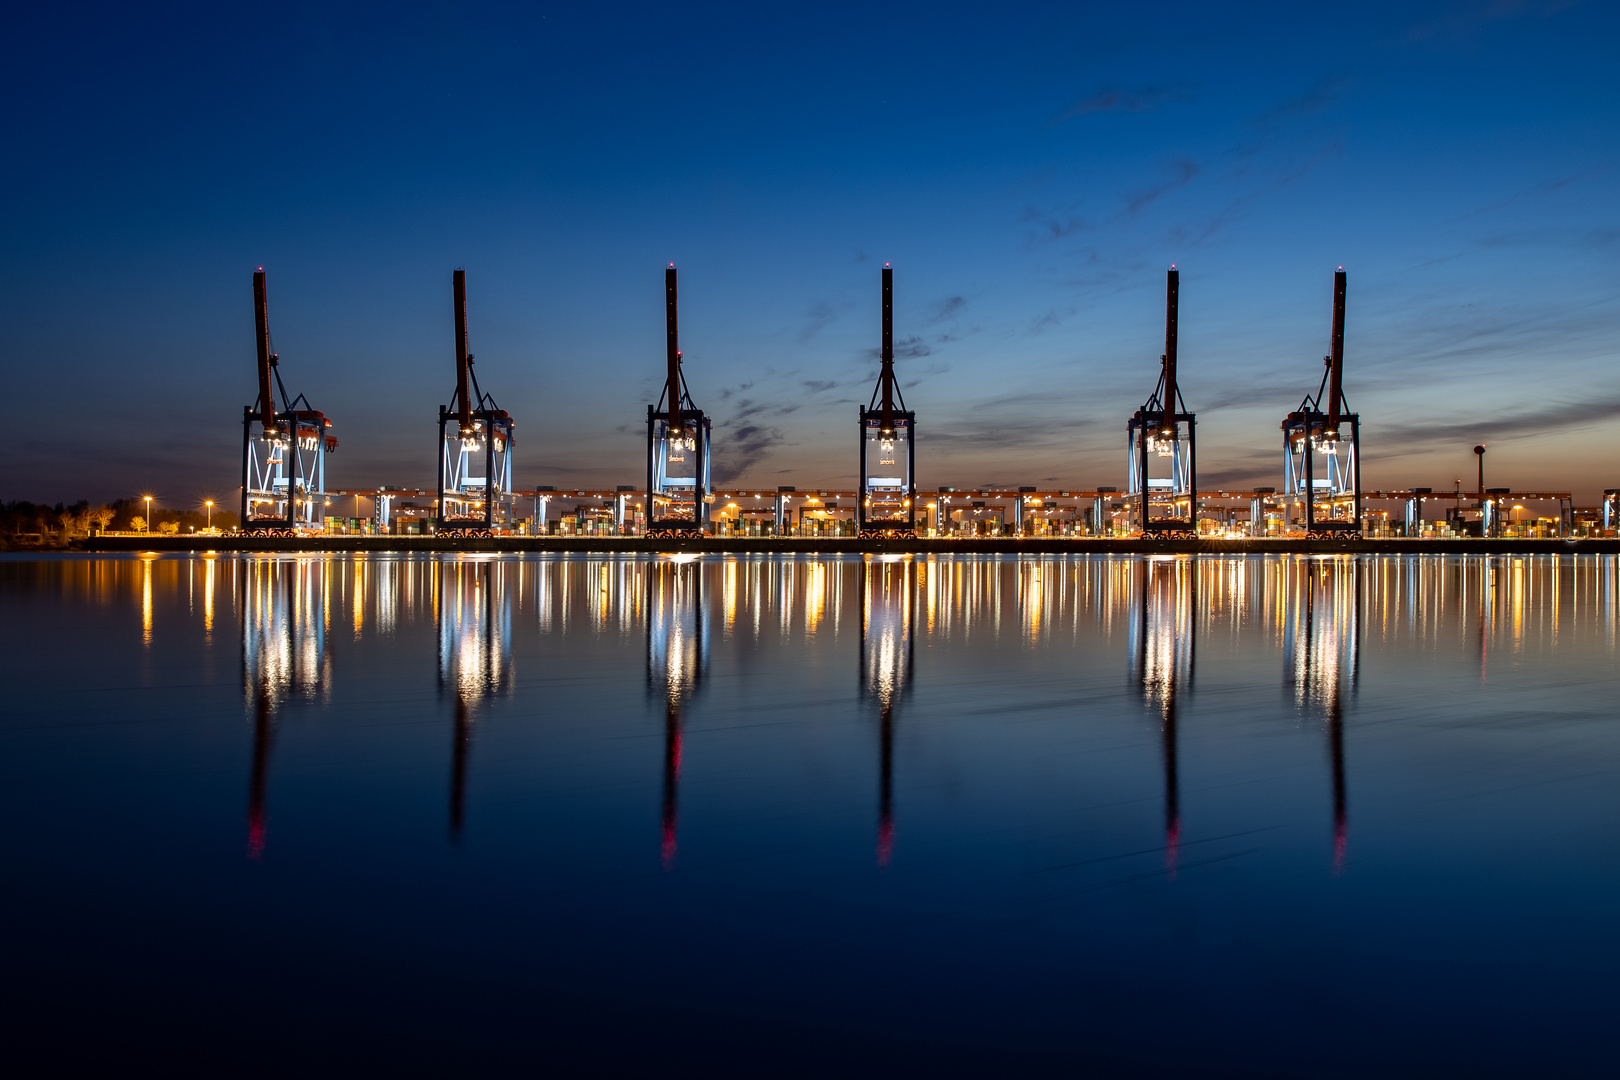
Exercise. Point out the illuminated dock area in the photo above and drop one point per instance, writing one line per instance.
(790, 545)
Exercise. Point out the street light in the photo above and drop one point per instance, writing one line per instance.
(210, 504)
(148, 499)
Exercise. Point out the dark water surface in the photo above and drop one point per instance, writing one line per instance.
(820, 816)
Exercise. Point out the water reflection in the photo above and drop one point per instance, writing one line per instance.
(1310, 618)
(888, 608)
(677, 653)
(1322, 642)
(1165, 648)
(284, 656)
(475, 655)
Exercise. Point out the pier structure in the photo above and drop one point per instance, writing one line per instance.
(678, 433)
(283, 450)
(1164, 505)
(1322, 447)
(284, 483)
(888, 463)
(475, 444)
(955, 513)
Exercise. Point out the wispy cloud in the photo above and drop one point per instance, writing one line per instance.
(948, 308)
(1461, 22)
(1050, 226)
(910, 348)
(1318, 97)
(816, 386)
(1121, 99)
(742, 449)
(1054, 317)
(1182, 173)
(1545, 187)
(817, 319)
(1559, 418)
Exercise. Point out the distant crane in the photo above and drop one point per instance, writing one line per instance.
(1153, 437)
(475, 445)
(1321, 459)
(678, 493)
(283, 451)
(888, 465)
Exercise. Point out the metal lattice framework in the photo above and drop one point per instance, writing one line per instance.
(1322, 446)
(678, 440)
(888, 476)
(1164, 505)
(475, 445)
(283, 451)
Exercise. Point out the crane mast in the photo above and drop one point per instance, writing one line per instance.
(1172, 304)
(458, 288)
(267, 360)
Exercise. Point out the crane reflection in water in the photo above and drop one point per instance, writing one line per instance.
(1164, 651)
(677, 652)
(887, 609)
(474, 615)
(1322, 642)
(284, 655)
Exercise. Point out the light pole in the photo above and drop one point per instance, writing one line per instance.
(210, 504)
(148, 499)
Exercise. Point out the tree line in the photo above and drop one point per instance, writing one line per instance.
(60, 523)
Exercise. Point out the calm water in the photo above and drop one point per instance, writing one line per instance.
(1248, 816)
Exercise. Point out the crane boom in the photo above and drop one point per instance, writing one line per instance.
(1172, 303)
(1336, 358)
(886, 378)
(672, 334)
(261, 333)
(463, 392)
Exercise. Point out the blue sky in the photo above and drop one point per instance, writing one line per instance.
(1029, 170)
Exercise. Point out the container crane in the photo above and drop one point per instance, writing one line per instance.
(283, 451)
(678, 435)
(1322, 446)
(475, 445)
(1164, 506)
(888, 475)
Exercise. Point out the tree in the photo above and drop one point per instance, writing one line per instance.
(101, 517)
(137, 524)
(169, 526)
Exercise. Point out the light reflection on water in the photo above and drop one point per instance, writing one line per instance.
(1097, 781)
